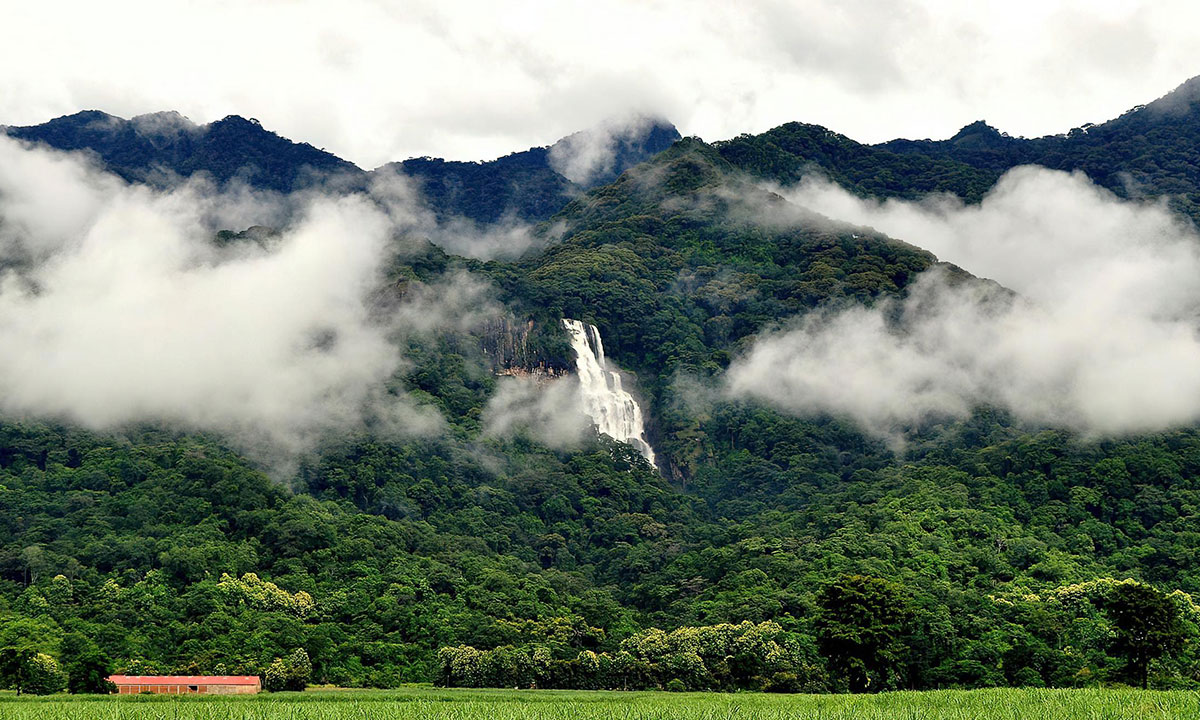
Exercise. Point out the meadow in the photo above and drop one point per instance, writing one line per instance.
(421, 703)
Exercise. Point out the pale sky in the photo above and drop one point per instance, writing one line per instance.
(375, 81)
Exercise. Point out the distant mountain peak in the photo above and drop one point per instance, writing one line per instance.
(598, 155)
(978, 135)
(979, 127)
(91, 119)
(169, 116)
(161, 147)
(84, 115)
(163, 124)
(239, 121)
(533, 184)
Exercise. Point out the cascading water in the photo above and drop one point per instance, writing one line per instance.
(614, 410)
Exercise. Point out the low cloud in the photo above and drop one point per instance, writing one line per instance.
(588, 157)
(400, 196)
(117, 307)
(1101, 336)
(546, 410)
(456, 302)
(506, 240)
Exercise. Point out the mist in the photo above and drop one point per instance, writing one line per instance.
(588, 157)
(117, 307)
(1100, 337)
(401, 197)
(547, 410)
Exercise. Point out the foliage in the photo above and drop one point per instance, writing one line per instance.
(229, 149)
(86, 665)
(1147, 625)
(26, 670)
(767, 552)
(1150, 151)
(720, 657)
(861, 628)
(290, 673)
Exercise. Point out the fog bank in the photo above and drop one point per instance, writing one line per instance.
(1102, 337)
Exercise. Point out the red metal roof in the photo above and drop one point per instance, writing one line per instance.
(183, 679)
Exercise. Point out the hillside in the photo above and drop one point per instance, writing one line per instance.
(160, 147)
(768, 550)
(1150, 151)
(528, 186)
(531, 186)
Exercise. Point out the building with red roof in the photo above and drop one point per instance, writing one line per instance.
(187, 684)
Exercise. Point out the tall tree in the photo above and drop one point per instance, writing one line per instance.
(87, 666)
(860, 630)
(1147, 626)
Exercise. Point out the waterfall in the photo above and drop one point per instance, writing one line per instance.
(614, 410)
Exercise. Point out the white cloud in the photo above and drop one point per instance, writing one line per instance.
(589, 155)
(128, 312)
(548, 410)
(376, 82)
(1103, 336)
(400, 196)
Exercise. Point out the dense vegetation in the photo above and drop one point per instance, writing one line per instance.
(163, 147)
(771, 552)
(523, 186)
(1150, 151)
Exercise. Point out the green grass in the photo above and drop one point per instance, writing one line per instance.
(436, 704)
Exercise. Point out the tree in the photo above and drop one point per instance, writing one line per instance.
(1146, 625)
(299, 669)
(26, 670)
(87, 666)
(44, 675)
(13, 663)
(860, 630)
(290, 673)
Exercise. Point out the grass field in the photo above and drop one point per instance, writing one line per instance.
(436, 704)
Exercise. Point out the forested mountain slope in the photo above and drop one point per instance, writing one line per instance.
(1150, 151)
(982, 550)
(534, 184)
(529, 186)
(162, 147)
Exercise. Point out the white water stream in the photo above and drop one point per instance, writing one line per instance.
(614, 410)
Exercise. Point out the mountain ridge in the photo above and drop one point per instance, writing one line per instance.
(1159, 141)
(162, 148)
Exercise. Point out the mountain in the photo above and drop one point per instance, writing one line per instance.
(534, 184)
(980, 552)
(530, 185)
(1151, 151)
(159, 148)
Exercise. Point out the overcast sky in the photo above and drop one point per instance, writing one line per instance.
(375, 81)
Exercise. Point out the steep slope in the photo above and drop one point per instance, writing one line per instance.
(681, 262)
(522, 186)
(172, 554)
(686, 227)
(789, 152)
